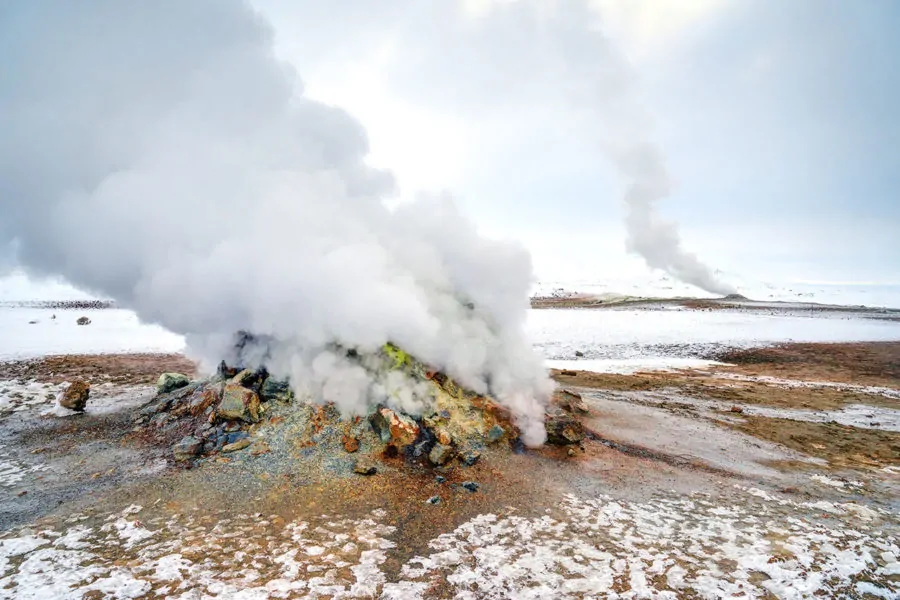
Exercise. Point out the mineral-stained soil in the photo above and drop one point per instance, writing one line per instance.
(870, 363)
(133, 369)
(548, 522)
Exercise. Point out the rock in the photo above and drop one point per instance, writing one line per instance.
(579, 354)
(169, 382)
(364, 468)
(210, 397)
(469, 456)
(238, 403)
(237, 445)
(471, 486)
(572, 451)
(568, 373)
(32, 322)
(260, 447)
(433, 500)
(276, 389)
(444, 437)
(394, 426)
(351, 444)
(440, 454)
(75, 396)
(563, 430)
(187, 448)
(250, 379)
(440, 479)
(571, 401)
(495, 434)
(83, 321)
(736, 409)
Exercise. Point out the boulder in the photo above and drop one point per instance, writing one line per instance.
(441, 454)
(495, 434)
(75, 396)
(238, 403)
(571, 401)
(187, 448)
(563, 430)
(169, 382)
(83, 321)
(470, 486)
(276, 389)
(394, 427)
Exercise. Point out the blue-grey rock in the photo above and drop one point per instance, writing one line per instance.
(470, 485)
(187, 448)
(495, 434)
(433, 500)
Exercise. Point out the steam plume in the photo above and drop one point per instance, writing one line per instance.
(157, 153)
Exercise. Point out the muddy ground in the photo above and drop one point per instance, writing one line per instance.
(660, 437)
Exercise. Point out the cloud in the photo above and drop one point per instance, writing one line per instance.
(159, 154)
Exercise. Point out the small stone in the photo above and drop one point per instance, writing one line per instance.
(440, 479)
(75, 396)
(469, 457)
(169, 382)
(568, 373)
(495, 434)
(231, 426)
(238, 445)
(736, 409)
(187, 448)
(394, 426)
(83, 321)
(364, 468)
(351, 444)
(440, 454)
(579, 354)
(433, 500)
(572, 451)
(471, 486)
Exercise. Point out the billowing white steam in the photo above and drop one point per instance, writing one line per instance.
(156, 152)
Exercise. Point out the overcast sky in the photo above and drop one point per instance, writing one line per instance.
(779, 120)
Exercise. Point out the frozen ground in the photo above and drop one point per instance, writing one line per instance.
(32, 332)
(669, 547)
(627, 340)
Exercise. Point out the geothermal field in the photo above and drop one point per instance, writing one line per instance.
(457, 299)
(729, 449)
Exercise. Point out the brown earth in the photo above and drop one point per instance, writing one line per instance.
(865, 363)
(98, 368)
(869, 364)
(842, 446)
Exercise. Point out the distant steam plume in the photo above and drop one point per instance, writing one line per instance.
(157, 153)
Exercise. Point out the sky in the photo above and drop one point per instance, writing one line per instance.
(777, 121)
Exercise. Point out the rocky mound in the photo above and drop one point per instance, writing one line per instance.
(250, 414)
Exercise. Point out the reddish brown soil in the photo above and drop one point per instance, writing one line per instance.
(868, 363)
(98, 368)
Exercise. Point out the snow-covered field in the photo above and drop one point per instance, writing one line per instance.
(627, 340)
(611, 340)
(32, 332)
(668, 547)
